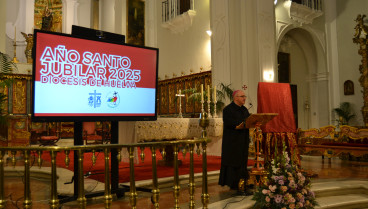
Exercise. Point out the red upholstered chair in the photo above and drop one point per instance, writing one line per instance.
(106, 132)
(52, 136)
(37, 130)
(90, 135)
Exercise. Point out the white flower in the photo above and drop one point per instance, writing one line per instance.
(272, 188)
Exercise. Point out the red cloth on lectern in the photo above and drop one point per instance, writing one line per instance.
(276, 98)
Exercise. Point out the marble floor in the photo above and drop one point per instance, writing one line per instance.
(328, 175)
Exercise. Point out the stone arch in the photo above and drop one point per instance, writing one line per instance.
(309, 72)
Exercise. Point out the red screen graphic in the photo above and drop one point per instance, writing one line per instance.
(76, 68)
(98, 53)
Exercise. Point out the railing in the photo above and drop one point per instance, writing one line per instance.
(313, 4)
(172, 8)
(200, 144)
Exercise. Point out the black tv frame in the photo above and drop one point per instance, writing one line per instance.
(97, 35)
(114, 40)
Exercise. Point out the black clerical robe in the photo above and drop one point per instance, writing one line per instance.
(235, 145)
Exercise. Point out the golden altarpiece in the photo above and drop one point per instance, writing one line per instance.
(361, 38)
(21, 131)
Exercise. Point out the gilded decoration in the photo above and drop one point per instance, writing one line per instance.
(163, 99)
(169, 88)
(353, 133)
(172, 92)
(360, 38)
(135, 26)
(20, 97)
(48, 15)
(4, 90)
(17, 76)
(197, 105)
(188, 104)
(67, 130)
(28, 51)
(327, 141)
(18, 134)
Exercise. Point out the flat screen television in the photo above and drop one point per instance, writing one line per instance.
(92, 34)
(79, 79)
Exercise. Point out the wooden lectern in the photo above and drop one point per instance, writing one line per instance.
(258, 174)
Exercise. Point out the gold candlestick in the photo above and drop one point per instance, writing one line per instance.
(15, 46)
(180, 95)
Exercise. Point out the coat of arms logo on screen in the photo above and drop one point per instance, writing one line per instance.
(113, 99)
(94, 99)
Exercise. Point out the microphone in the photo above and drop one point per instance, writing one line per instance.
(250, 105)
(250, 102)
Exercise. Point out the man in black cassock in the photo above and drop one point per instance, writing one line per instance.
(235, 142)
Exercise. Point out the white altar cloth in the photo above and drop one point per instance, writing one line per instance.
(172, 128)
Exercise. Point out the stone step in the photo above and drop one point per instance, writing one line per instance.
(331, 187)
(330, 194)
(348, 201)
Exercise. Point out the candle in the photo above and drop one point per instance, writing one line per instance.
(202, 92)
(15, 34)
(208, 93)
(214, 93)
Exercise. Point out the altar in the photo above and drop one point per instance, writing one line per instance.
(172, 129)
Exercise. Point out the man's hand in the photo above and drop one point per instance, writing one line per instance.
(240, 126)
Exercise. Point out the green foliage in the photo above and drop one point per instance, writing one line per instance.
(6, 64)
(344, 112)
(6, 67)
(223, 92)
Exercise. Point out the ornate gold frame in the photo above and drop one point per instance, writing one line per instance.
(360, 38)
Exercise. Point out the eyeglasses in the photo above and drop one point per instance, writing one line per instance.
(242, 96)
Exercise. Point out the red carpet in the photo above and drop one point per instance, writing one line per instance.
(143, 170)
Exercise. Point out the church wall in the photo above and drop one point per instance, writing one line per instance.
(349, 59)
(251, 46)
(185, 50)
(107, 17)
(315, 44)
(84, 14)
(236, 38)
(2, 25)
(16, 18)
(297, 61)
(120, 16)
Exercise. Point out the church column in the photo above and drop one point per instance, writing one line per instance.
(84, 13)
(69, 15)
(319, 111)
(107, 15)
(151, 23)
(28, 16)
(21, 19)
(220, 44)
(2, 26)
(267, 40)
(243, 43)
(332, 55)
(120, 17)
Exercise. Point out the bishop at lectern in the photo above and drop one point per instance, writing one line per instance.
(235, 142)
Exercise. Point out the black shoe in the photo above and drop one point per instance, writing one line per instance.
(250, 186)
(244, 193)
(248, 192)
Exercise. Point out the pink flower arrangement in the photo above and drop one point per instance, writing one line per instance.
(286, 187)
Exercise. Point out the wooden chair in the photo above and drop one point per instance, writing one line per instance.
(106, 132)
(90, 133)
(52, 136)
(37, 130)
